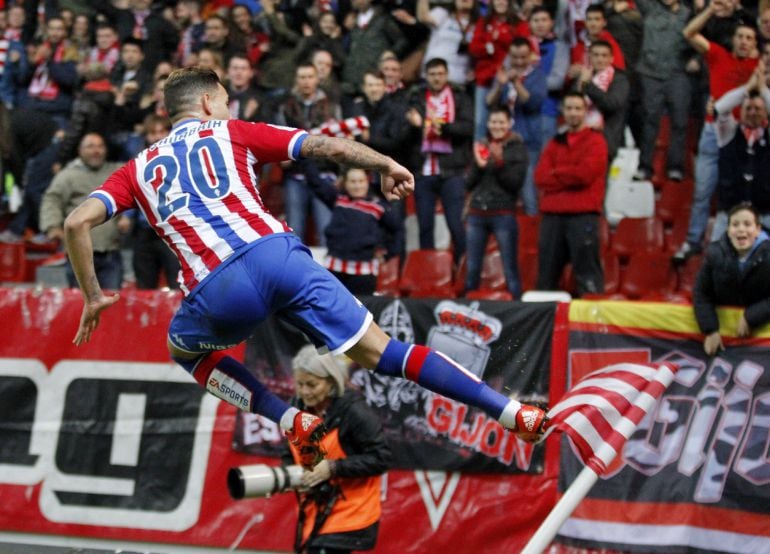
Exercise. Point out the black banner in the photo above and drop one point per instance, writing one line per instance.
(506, 344)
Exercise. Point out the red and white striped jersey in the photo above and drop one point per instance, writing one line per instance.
(198, 189)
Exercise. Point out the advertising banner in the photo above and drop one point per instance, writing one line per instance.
(695, 476)
(110, 441)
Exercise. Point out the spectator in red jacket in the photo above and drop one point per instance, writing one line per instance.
(571, 179)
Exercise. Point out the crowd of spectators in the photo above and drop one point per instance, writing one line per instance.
(427, 82)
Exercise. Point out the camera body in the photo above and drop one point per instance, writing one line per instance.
(262, 481)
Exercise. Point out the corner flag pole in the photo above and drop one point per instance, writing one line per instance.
(587, 477)
(563, 509)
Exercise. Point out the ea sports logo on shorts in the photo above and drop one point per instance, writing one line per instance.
(213, 383)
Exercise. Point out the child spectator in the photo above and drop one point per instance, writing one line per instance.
(736, 272)
(727, 69)
(357, 227)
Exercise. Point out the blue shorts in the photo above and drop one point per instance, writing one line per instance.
(276, 274)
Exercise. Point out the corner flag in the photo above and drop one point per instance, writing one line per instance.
(598, 415)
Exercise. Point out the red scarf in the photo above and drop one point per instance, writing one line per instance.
(4, 45)
(603, 80)
(140, 31)
(108, 58)
(42, 86)
(753, 135)
(439, 109)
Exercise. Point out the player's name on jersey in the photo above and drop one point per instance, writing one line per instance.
(175, 137)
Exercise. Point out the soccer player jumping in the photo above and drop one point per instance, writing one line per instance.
(198, 189)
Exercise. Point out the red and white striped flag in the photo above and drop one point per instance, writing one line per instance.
(605, 407)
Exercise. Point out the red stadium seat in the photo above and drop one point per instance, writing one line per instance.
(428, 273)
(688, 272)
(677, 234)
(611, 267)
(636, 235)
(649, 275)
(675, 200)
(387, 278)
(13, 265)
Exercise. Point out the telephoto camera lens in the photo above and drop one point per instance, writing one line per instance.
(261, 481)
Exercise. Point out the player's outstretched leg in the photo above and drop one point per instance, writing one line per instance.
(228, 379)
(437, 372)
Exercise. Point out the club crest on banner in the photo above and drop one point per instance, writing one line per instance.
(464, 333)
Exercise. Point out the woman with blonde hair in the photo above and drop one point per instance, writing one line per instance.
(340, 509)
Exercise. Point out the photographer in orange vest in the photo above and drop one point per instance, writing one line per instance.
(339, 511)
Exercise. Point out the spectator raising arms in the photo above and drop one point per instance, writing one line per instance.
(727, 70)
(744, 151)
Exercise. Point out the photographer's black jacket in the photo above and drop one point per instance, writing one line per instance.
(358, 432)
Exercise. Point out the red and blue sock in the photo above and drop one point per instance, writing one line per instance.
(438, 373)
(228, 379)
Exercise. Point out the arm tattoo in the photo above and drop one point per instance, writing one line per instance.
(344, 151)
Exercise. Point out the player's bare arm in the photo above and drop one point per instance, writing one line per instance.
(396, 181)
(77, 235)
